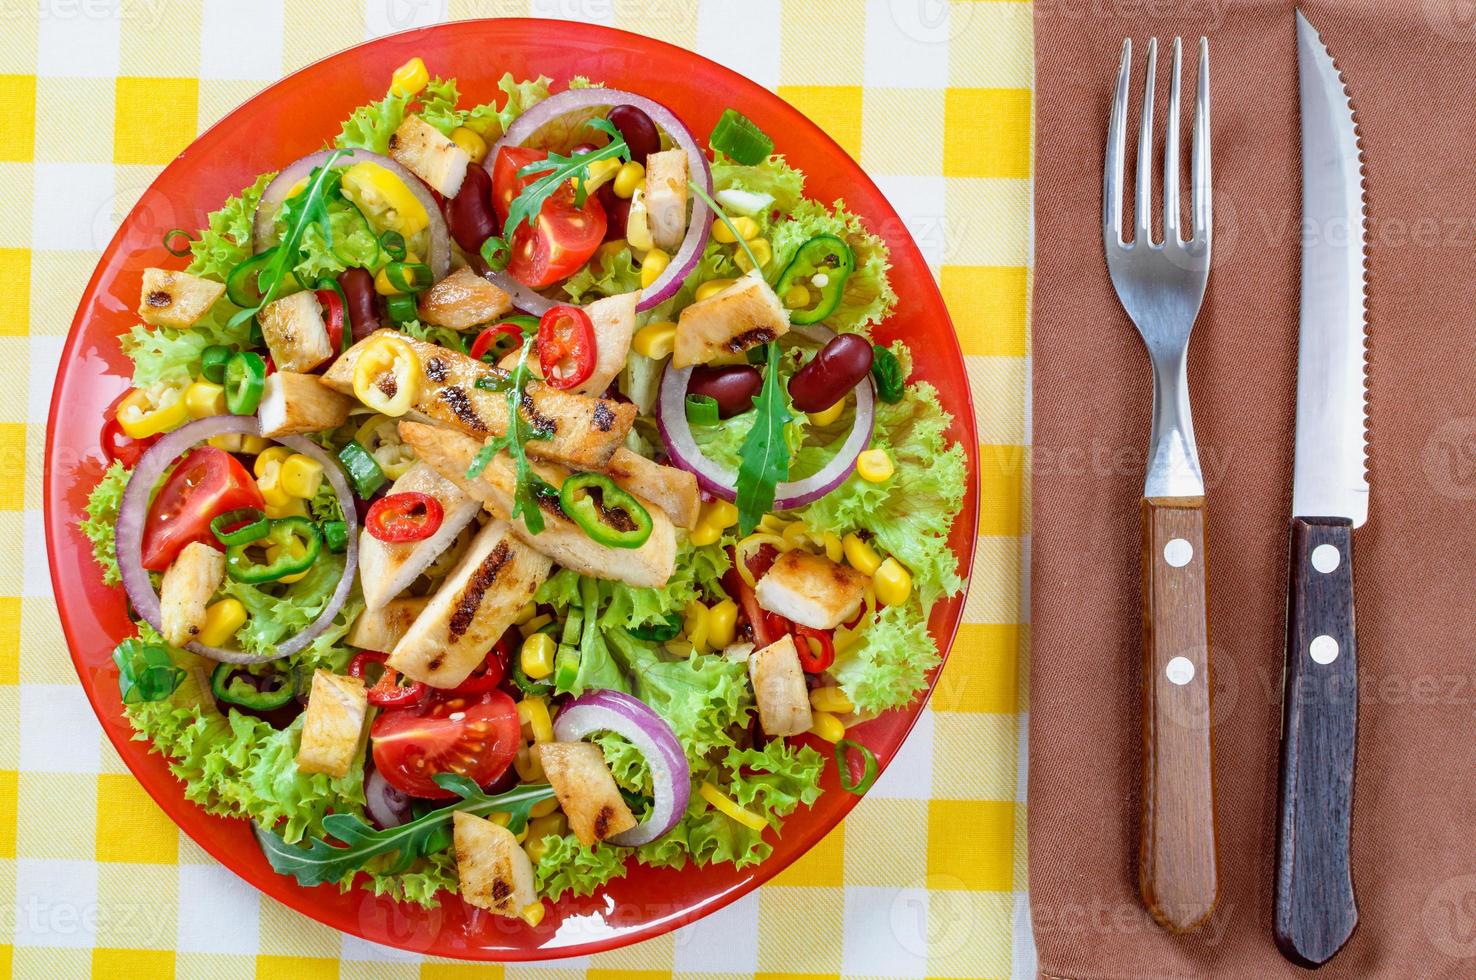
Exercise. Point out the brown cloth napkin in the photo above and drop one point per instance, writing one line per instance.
(1411, 69)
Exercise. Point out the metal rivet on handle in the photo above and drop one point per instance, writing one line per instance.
(1178, 552)
(1326, 558)
(1324, 649)
(1179, 670)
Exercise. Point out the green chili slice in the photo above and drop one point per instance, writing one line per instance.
(822, 265)
(409, 277)
(525, 683)
(243, 285)
(843, 769)
(739, 137)
(230, 683)
(335, 536)
(362, 469)
(285, 531)
(146, 671)
(245, 376)
(213, 362)
(401, 307)
(605, 512)
(179, 251)
(702, 410)
(240, 526)
(566, 668)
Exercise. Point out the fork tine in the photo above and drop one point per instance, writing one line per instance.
(1143, 234)
(1171, 155)
(1116, 151)
(1203, 205)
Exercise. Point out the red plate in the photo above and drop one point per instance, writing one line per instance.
(295, 117)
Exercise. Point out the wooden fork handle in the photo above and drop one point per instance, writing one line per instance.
(1177, 871)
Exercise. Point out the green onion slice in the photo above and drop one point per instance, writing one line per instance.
(240, 526)
(401, 307)
(146, 671)
(409, 277)
(213, 362)
(171, 242)
(739, 138)
(702, 410)
(392, 243)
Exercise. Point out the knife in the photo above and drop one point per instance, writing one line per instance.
(1315, 911)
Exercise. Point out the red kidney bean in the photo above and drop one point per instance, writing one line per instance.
(639, 131)
(840, 366)
(732, 386)
(617, 210)
(469, 214)
(361, 304)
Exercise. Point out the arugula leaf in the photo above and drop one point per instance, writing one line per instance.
(321, 861)
(557, 169)
(529, 486)
(764, 459)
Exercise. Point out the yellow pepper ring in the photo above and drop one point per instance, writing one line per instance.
(387, 377)
(729, 808)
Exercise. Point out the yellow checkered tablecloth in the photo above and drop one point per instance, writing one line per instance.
(926, 877)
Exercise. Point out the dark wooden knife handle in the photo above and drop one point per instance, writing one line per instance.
(1177, 872)
(1315, 911)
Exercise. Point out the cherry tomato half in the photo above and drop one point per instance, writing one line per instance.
(476, 737)
(562, 236)
(206, 483)
(566, 347)
(408, 516)
(506, 184)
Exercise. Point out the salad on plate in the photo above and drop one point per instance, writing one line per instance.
(507, 493)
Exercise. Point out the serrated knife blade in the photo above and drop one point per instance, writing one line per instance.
(1330, 479)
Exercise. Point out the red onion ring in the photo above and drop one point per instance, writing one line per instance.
(687, 255)
(681, 445)
(386, 806)
(277, 191)
(633, 719)
(133, 511)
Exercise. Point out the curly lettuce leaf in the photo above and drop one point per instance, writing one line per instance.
(518, 97)
(699, 572)
(227, 241)
(891, 662)
(442, 336)
(773, 178)
(868, 297)
(608, 276)
(169, 357)
(370, 126)
(354, 244)
(274, 616)
(569, 867)
(102, 518)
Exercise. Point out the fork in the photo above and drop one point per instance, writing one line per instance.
(1161, 286)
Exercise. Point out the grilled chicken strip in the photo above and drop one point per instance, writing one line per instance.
(561, 539)
(582, 431)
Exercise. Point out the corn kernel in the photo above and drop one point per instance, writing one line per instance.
(601, 172)
(746, 226)
(230, 442)
(537, 656)
(382, 284)
(204, 399)
(253, 445)
(796, 296)
(409, 78)
(535, 624)
(655, 340)
(762, 253)
(530, 770)
(704, 534)
(533, 712)
(831, 699)
(875, 466)
(270, 485)
(829, 415)
(266, 457)
(532, 913)
(629, 177)
(652, 266)
(722, 623)
(860, 554)
(471, 142)
(893, 583)
(301, 476)
(544, 807)
(637, 228)
(294, 507)
(552, 824)
(834, 550)
(222, 620)
(696, 621)
(525, 614)
(720, 513)
(712, 287)
(825, 725)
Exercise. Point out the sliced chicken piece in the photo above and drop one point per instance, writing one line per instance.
(473, 608)
(613, 319)
(293, 403)
(333, 725)
(811, 590)
(779, 689)
(587, 792)
(666, 197)
(387, 568)
(744, 315)
(495, 871)
(673, 490)
(382, 628)
(295, 333)
(430, 155)
(463, 300)
(186, 590)
(176, 299)
(451, 453)
(580, 430)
